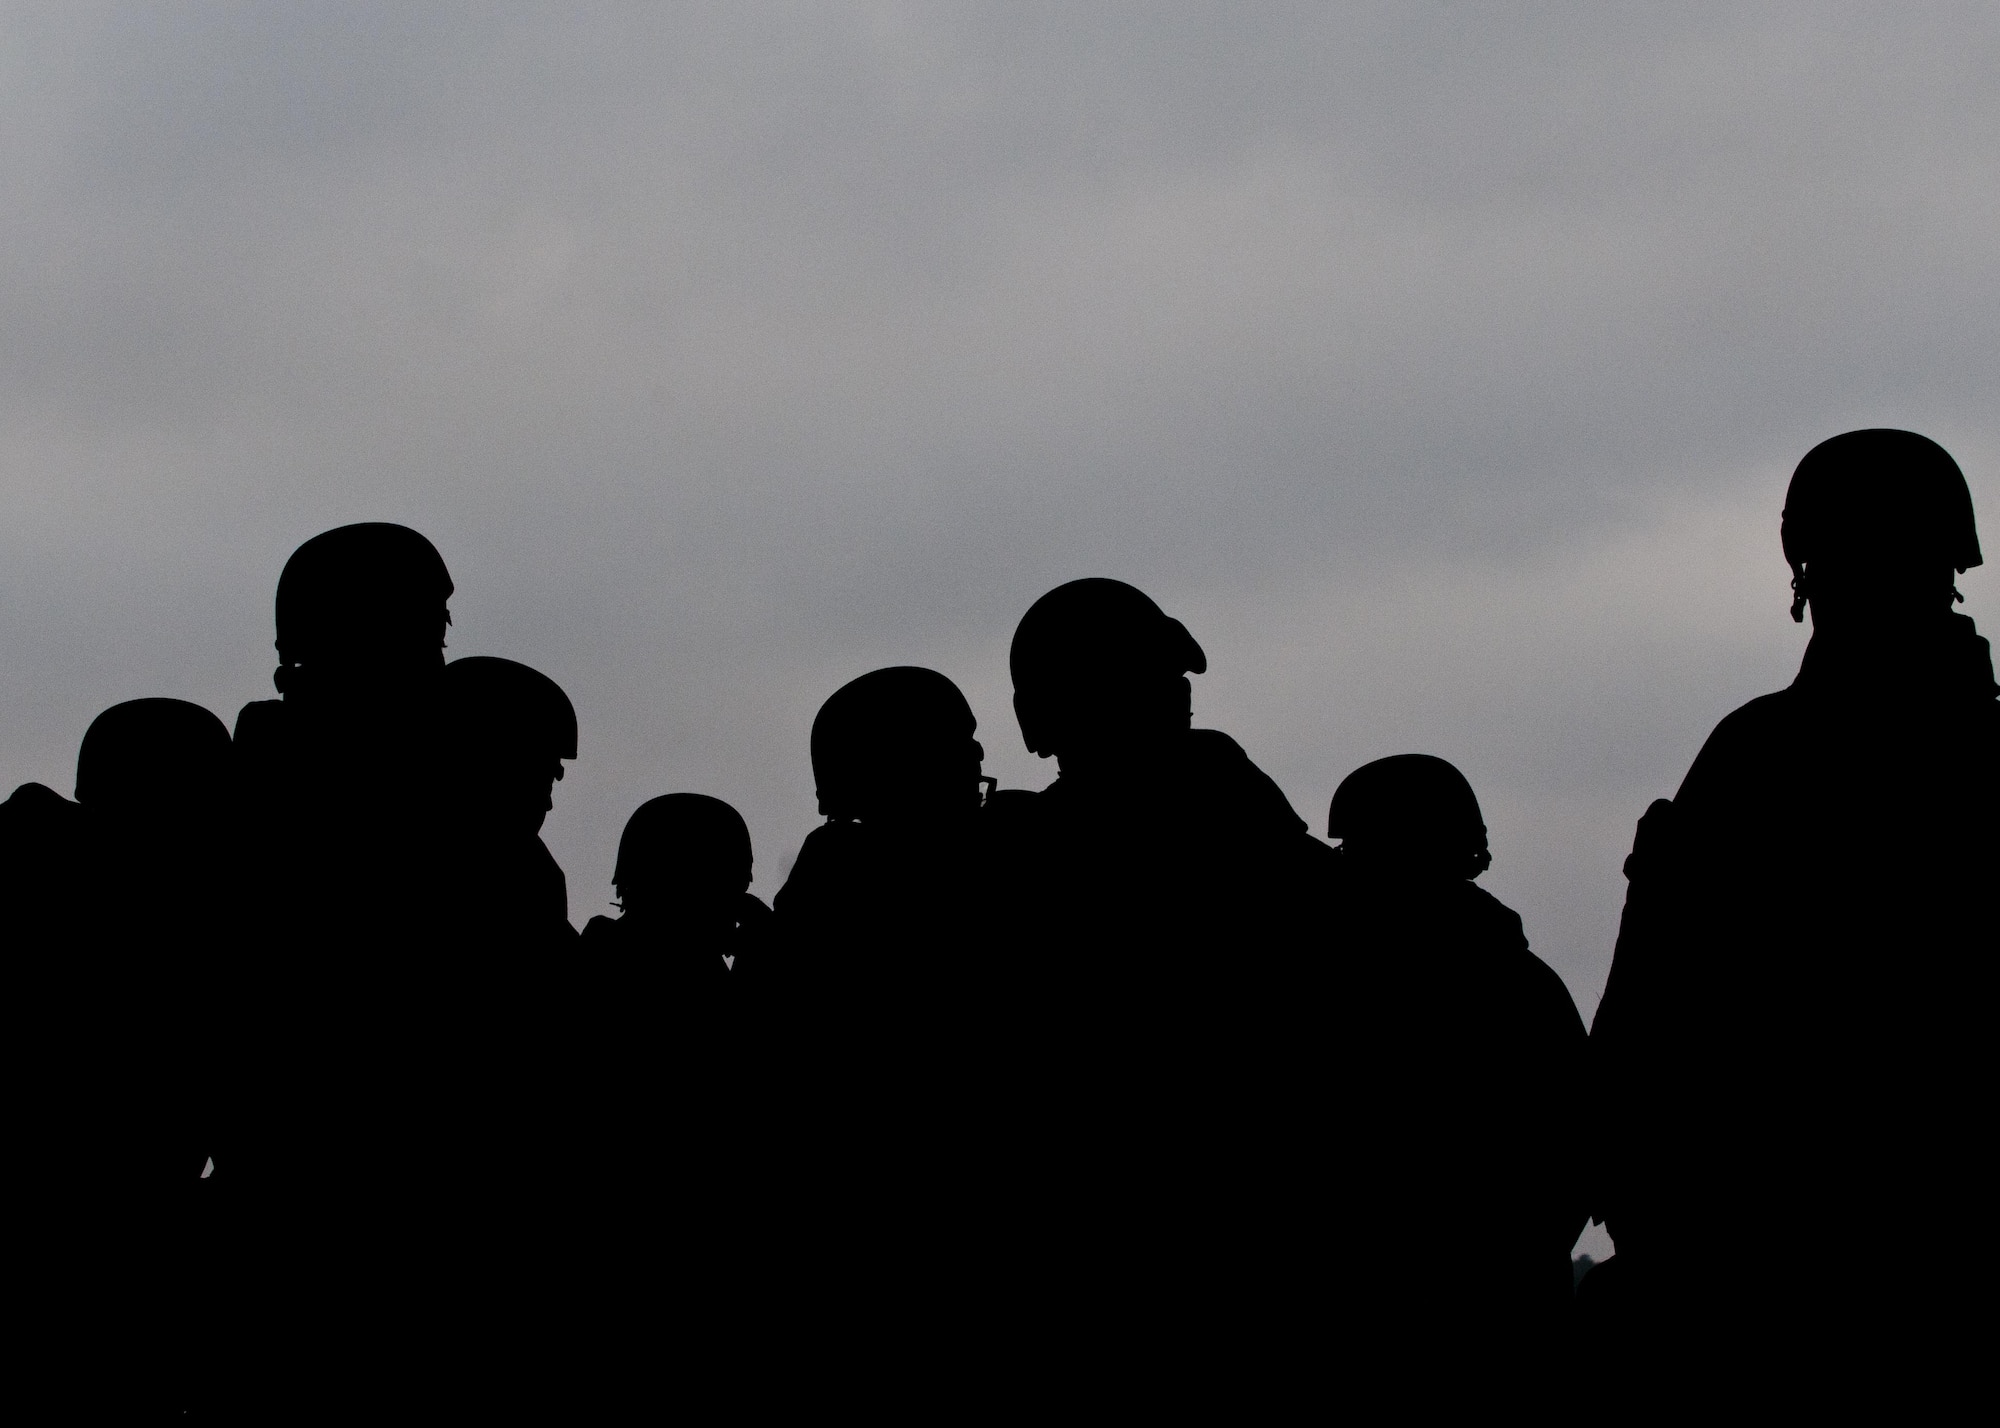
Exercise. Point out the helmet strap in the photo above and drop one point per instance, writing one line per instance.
(1798, 594)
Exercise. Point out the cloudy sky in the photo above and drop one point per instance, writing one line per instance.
(1441, 365)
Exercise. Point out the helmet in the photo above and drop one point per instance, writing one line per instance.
(1880, 490)
(498, 702)
(891, 731)
(691, 834)
(1084, 651)
(1410, 801)
(352, 587)
(1091, 628)
(152, 754)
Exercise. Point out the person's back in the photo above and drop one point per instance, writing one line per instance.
(119, 1112)
(1790, 1035)
(669, 1121)
(1163, 886)
(886, 945)
(336, 1026)
(1465, 1059)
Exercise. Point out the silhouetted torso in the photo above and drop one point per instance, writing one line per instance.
(659, 1200)
(885, 1022)
(347, 1088)
(1459, 1191)
(1171, 1069)
(1792, 1034)
(1461, 1151)
(130, 934)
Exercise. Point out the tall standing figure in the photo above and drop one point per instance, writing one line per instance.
(1169, 1038)
(113, 1115)
(884, 986)
(1792, 1046)
(343, 1021)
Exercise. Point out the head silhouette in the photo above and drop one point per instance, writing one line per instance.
(683, 855)
(1410, 816)
(155, 761)
(361, 615)
(1876, 523)
(1100, 675)
(896, 746)
(507, 730)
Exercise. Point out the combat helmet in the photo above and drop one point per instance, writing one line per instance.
(1092, 634)
(152, 756)
(1878, 491)
(700, 841)
(501, 705)
(893, 738)
(355, 593)
(1412, 804)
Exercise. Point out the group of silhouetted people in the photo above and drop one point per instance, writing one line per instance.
(1130, 1091)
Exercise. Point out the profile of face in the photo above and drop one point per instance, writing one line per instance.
(1109, 719)
(1100, 677)
(923, 782)
(896, 747)
(507, 791)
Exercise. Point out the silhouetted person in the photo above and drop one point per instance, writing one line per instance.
(344, 1019)
(878, 903)
(885, 992)
(1163, 886)
(1472, 1054)
(119, 1107)
(343, 769)
(1792, 1042)
(342, 774)
(44, 882)
(670, 1123)
(497, 1056)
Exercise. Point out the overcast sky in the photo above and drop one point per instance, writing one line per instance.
(1440, 365)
